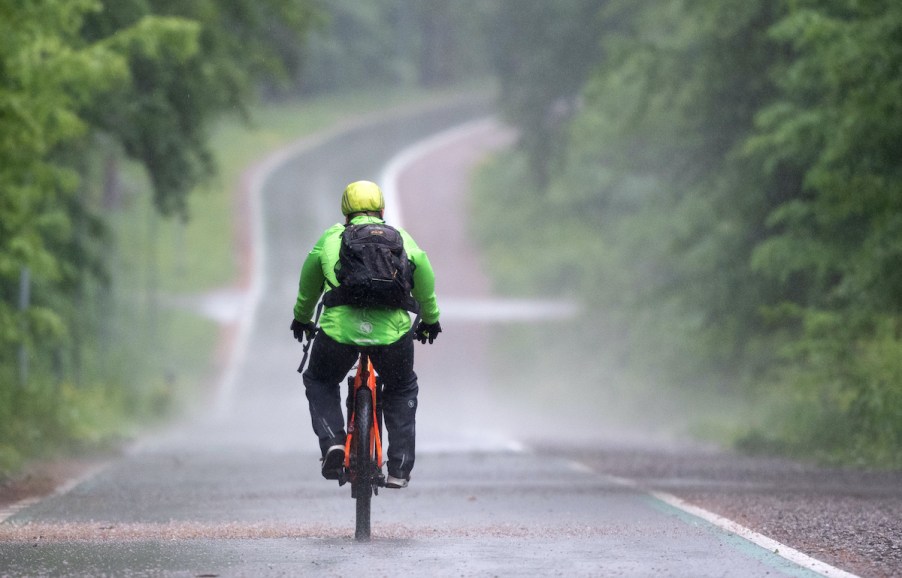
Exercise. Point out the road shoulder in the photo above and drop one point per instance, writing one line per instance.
(851, 519)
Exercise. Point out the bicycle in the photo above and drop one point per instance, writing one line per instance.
(363, 448)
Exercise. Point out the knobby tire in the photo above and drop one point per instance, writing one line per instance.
(363, 457)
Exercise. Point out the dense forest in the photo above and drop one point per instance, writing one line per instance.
(719, 181)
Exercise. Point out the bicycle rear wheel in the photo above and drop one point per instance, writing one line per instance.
(362, 453)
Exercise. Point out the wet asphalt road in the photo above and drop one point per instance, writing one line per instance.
(236, 492)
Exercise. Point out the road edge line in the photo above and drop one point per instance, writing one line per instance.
(391, 172)
(63, 488)
(778, 548)
(393, 168)
(786, 552)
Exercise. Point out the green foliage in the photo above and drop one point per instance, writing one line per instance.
(839, 116)
(838, 397)
(734, 168)
(189, 63)
(47, 74)
(82, 82)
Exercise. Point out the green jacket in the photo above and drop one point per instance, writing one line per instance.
(354, 325)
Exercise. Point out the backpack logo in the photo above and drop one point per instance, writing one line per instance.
(373, 269)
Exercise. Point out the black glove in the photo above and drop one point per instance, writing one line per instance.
(301, 329)
(426, 331)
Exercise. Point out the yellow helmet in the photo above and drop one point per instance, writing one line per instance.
(362, 196)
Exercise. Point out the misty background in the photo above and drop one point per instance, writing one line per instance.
(715, 185)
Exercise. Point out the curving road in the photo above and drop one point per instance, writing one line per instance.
(237, 492)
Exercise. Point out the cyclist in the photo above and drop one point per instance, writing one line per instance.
(345, 330)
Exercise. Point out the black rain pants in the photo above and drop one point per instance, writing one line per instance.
(330, 363)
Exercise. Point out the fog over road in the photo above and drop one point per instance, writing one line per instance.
(237, 491)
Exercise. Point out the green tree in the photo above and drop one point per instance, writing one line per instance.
(182, 80)
(731, 178)
(839, 117)
(835, 247)
(77, 77)
(47, 75)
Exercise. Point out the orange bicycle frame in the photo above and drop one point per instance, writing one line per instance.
(365, 375)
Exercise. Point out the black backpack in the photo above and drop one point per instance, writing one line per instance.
(372, 269)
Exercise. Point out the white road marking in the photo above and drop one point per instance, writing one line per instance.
(64, 488)
(769, 544)
(388, 180)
